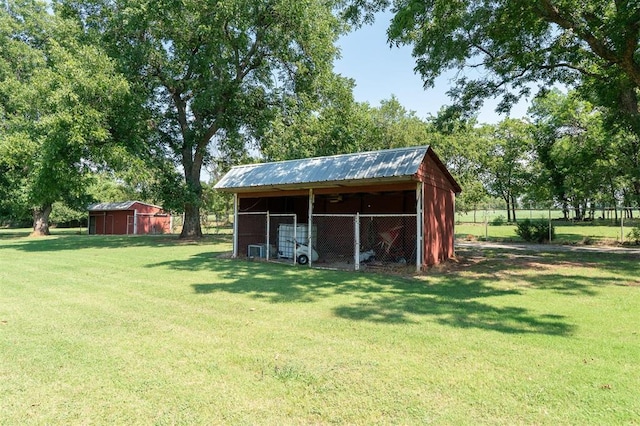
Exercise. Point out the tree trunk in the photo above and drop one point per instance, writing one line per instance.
(41, 221)
(192, 164)
(635, 183)
(577, 215)
(565, 210)
(191, 227)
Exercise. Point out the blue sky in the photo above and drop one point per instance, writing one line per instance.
(381, 71)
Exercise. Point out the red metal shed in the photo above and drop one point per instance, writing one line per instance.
(391, 205)
(128, 218)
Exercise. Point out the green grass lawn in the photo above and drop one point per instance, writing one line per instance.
(153, 330)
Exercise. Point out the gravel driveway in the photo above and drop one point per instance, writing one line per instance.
(547, 247)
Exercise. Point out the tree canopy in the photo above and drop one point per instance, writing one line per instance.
(212, 73)
(505, 48)
(56, 95)
(513, 44)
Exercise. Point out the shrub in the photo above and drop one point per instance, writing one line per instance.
(634, 234)
(534, 230)
(587, 241)
(64, 216)
(498, 221)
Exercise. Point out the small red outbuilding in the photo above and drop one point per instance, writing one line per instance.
(128, 218)
(392, 205)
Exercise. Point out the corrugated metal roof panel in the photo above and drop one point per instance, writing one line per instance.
(367, 165)
(122, 205)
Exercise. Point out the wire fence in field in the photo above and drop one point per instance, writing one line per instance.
(620, 225)
(210, 224)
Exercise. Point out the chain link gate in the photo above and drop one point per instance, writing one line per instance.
(390, 239)
(348, 240)
(252, 235)
(335, 246)
(274, 237)
(281, 237)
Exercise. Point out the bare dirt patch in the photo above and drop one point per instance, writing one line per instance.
(482, 263)
(631, 284)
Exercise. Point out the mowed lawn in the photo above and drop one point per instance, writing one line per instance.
(154, 330)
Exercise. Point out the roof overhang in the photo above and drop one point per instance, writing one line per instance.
(341, 184)
(118, 206)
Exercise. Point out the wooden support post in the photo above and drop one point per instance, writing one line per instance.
(419, 225)
(235, 224)
(310, 225)
(356, 245)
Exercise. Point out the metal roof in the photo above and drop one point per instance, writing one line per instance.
(386, 164)
(123, 205)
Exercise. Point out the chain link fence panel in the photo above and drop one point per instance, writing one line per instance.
(336, 245)
(252, 232)
(391, 238)
(282, 237)
(355, 241)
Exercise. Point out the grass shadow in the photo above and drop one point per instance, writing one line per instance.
(555, 270)
(460, 314)
(55, 243)
(453, 299)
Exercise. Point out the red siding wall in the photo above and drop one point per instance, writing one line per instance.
(439, 206)
(438, 225)
(144, 208)
(151, 220)
(111, 222)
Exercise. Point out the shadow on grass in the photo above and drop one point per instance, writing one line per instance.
(452, 300)
(462, 314)
(8, 233)
(77, 242)
(567, 270)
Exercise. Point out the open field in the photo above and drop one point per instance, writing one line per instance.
(490, 215)
(491, 225)
(153, 330)
(564, 234)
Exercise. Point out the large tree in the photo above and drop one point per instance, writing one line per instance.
(56, 95)
(332, 123)
(507, 162)
(463, 147)
(212, 72)
(514, 43)
(337, 125)
(503, 48)
(580, 162)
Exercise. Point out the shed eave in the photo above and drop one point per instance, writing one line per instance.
(318, 185)
(118, 206)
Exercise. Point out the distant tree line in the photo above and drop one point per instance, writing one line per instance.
(106, 100)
